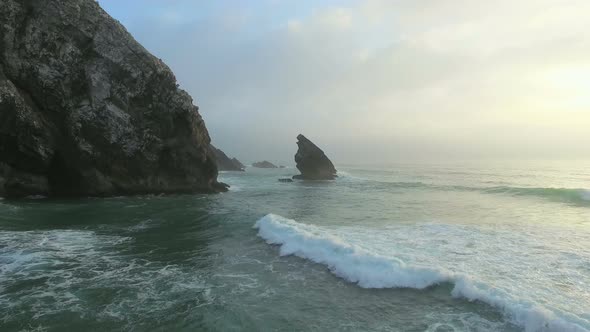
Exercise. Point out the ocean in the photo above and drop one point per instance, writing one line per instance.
(403, 247)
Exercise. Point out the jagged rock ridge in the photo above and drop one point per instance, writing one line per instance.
(224, 163)
(86, 110)
(312, 162)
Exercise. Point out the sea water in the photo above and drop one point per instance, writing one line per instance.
(402, 247)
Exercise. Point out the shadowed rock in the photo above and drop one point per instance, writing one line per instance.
(224, 163)
(312, 161)
(85, 110)
(238, 163)
(264, 164)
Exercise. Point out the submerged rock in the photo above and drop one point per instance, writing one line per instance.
(264, 164)
(224, 163)
(286, 180)
(312, 161)
(85, 110)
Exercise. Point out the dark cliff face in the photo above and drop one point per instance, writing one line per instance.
(224, 163)
(312, 162)
(238, 164)
(86, 110)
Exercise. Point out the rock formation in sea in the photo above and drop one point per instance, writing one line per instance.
(224, 163)
(312, 162)
(238, 163)
(85, 110)
(264, 164)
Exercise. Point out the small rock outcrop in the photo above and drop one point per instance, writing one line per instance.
(312, 161)
(238, 163)
(264, 164)
(224, 163)
(85, 110)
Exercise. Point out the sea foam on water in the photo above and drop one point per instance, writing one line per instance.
(371, 270)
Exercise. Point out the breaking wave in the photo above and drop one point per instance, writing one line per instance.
(371, 270)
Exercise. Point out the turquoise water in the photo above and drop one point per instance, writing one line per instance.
(466, 247)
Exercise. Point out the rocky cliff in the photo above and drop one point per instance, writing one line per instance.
(86, 110)
(224, 163)
(312, 162)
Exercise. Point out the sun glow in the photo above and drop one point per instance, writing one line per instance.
(570, 86)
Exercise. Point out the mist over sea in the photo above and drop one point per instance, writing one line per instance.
(400, 247)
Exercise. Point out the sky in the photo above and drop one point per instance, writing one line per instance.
(379, 81)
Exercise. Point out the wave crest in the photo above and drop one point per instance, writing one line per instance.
(370, 270)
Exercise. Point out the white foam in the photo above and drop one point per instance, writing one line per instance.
(350, 177)
(370, 270)
(143, 225)
(235, 188)
(79, 259)
(349, 262)
(36, 197)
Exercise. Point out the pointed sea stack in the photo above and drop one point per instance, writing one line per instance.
(312, 161)
(85, 110)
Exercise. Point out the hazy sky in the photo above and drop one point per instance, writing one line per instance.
(379, 81)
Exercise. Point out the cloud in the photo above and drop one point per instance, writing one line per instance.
(409, 79)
